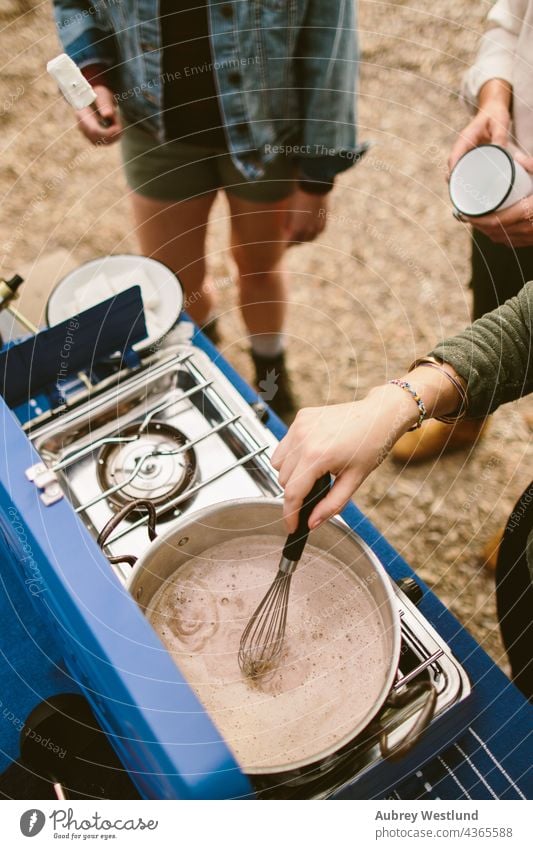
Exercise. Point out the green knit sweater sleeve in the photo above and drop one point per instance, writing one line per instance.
(493, 355)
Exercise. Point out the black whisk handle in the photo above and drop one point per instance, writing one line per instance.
(296, 541)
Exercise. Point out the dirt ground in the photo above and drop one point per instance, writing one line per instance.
(386, 280)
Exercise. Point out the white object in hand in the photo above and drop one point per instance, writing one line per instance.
(72, 84)
(487, 179)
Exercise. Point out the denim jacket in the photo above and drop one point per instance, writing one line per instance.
(285, 71)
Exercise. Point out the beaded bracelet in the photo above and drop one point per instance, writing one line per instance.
(414, 394)
(431, 362)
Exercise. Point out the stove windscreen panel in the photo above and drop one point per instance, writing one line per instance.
(29, 365)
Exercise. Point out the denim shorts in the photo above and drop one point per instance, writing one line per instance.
(174, 171)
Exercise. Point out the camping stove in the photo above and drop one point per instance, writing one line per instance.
(177, 432)
(174, 432)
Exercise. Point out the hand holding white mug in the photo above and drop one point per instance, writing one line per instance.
(491, 123)
(512, 226)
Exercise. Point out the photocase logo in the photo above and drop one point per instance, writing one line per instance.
(32, 822)
(268, 387)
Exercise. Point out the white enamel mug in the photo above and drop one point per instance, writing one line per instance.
(487, 179)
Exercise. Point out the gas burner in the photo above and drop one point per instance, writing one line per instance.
(148, 462)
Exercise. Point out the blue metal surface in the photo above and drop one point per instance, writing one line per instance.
(31, 663)
(160, 731)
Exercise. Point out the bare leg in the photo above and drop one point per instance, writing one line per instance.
(174, 233)
(258, 244)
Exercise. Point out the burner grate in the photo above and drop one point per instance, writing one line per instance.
(170, 433)
(155, 464)
(186, 495)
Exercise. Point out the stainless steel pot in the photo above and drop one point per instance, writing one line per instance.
(216, 524)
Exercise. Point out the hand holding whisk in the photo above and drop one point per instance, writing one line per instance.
(262, 639)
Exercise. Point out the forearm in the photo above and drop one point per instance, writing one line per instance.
(495, 56)
(83, 34)
(350, 440)
(438, 393)
(486, 365)
(493, 356)
(325, 72)
(490, 360)
(495, 93)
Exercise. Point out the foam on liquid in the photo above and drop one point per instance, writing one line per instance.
(332, 665)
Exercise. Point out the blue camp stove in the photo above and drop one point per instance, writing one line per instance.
(174, 433)
(175, 428)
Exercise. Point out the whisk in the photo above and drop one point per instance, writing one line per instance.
(262, 639)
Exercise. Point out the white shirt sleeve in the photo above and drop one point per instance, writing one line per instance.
(496, 54)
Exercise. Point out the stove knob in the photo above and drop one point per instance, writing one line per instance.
(411, 589)
(261, 410)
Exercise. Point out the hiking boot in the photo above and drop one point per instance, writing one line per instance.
(212, 331)
(274, 386)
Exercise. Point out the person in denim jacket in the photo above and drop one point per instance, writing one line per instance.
(255, 97)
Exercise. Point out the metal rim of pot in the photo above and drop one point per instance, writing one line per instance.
(180, 535)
